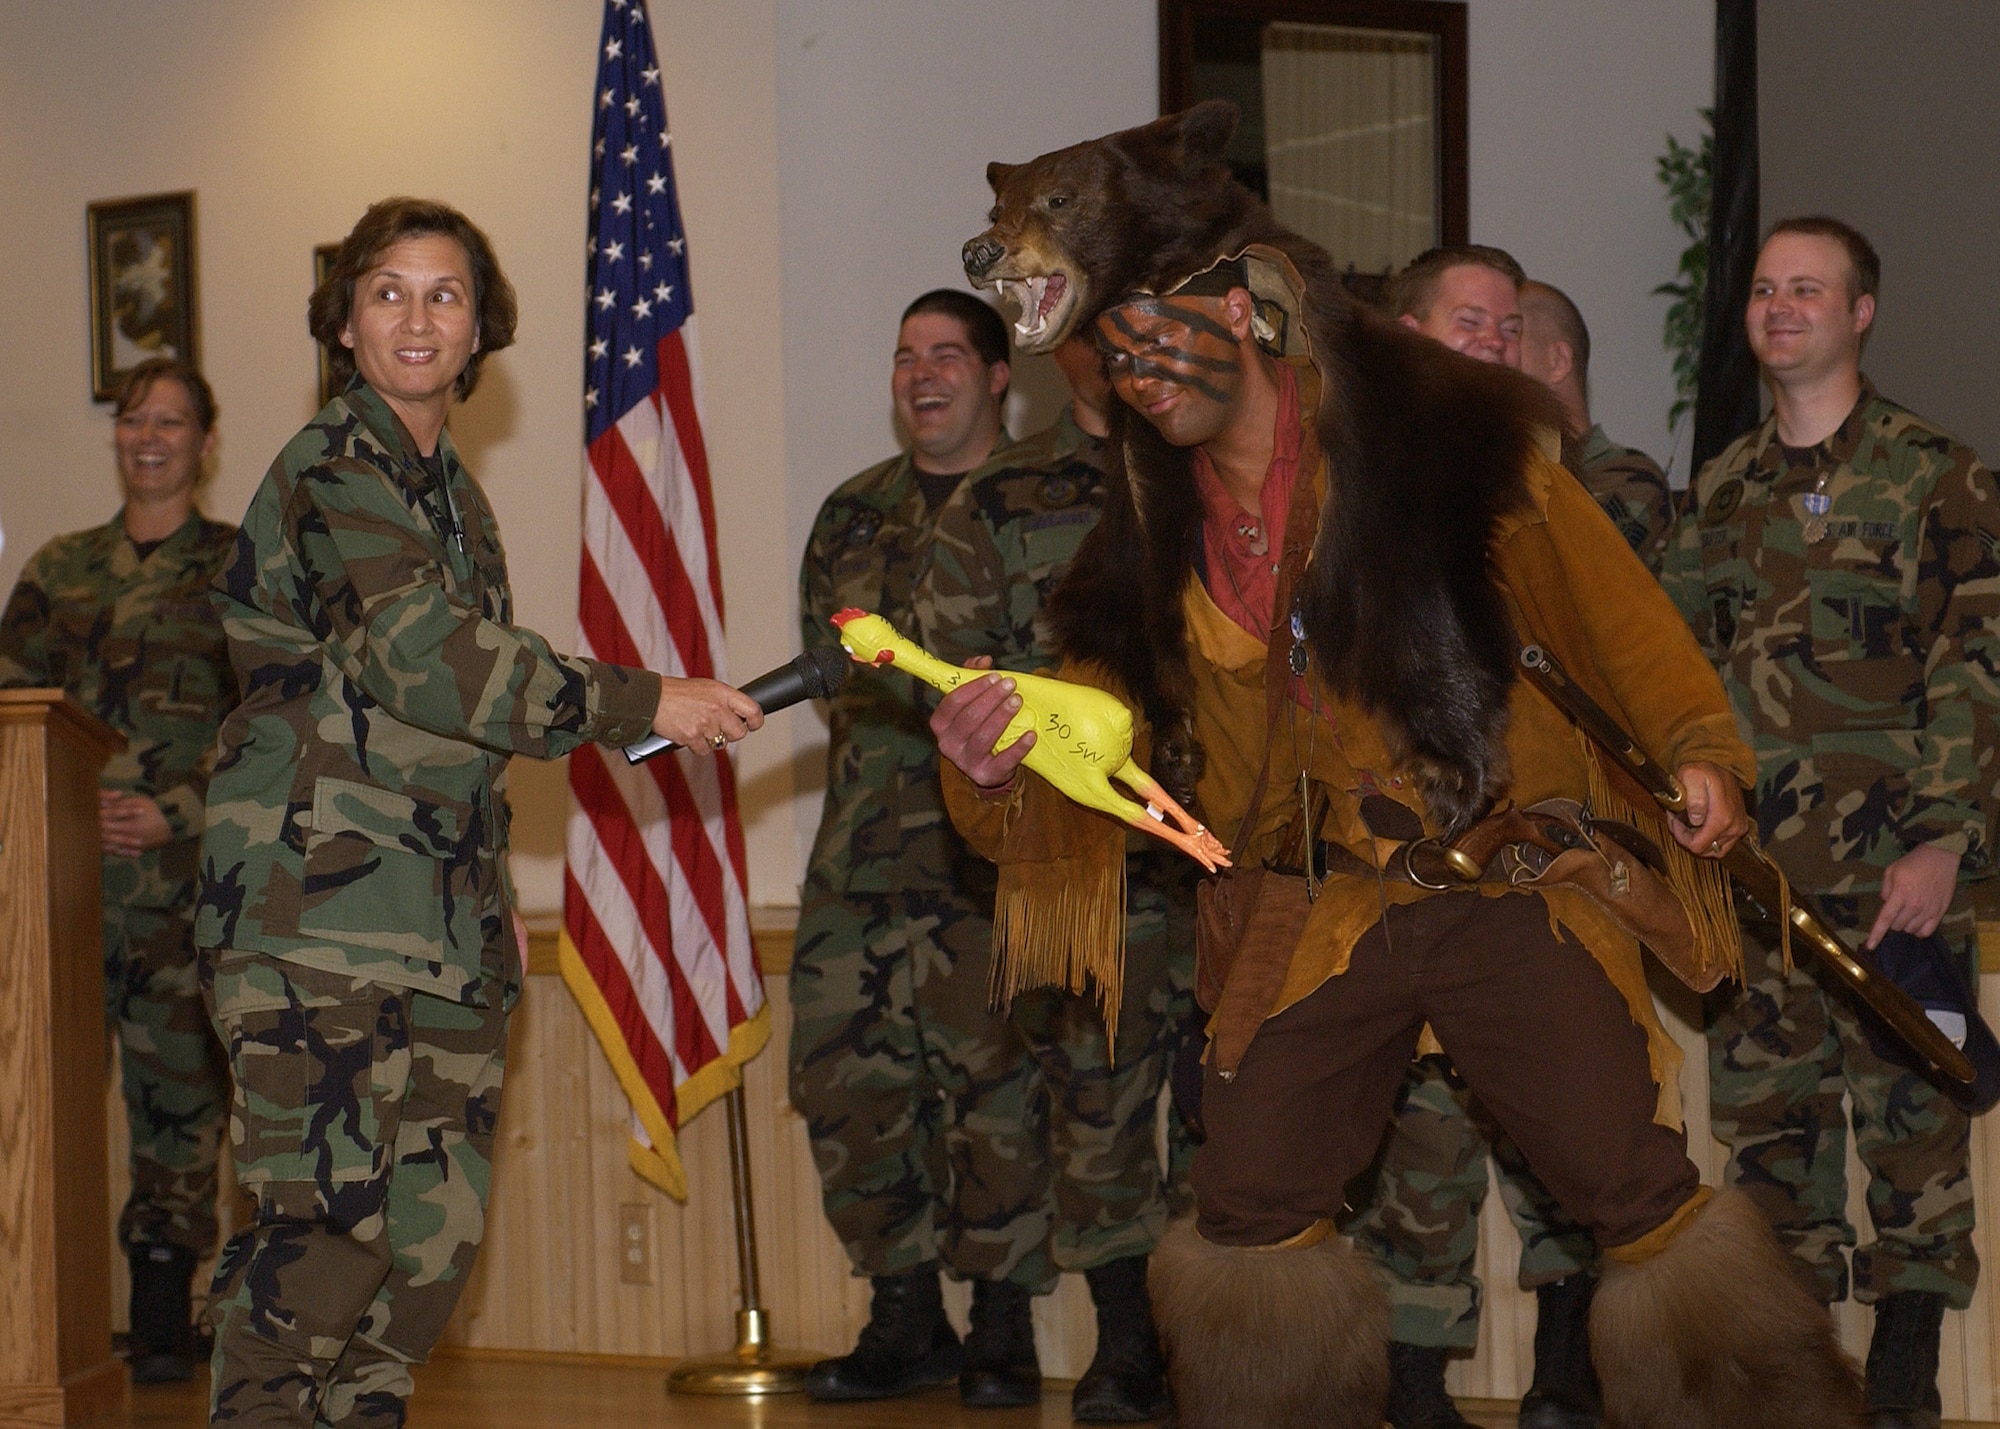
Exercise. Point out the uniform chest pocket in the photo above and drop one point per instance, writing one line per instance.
(1725, 576)
(186, 686)
(1051, 540)
(857, 579)
(378, 870)
(1860, 644)
(76, 634)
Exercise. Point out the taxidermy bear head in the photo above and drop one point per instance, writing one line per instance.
(1079, 228)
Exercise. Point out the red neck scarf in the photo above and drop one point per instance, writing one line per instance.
(1243, 550)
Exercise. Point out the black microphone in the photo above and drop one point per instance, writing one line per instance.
(812, 676)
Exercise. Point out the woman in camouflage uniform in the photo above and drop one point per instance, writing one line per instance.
(119, 617)
(356, 919)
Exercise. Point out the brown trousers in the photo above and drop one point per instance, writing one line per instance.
(1532, 1024)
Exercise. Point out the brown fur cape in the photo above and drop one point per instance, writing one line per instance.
(1424, 452)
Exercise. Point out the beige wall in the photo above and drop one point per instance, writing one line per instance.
(830, 154)
(287, 120)
(1571, 103)
(1883, 116)
(888, 112)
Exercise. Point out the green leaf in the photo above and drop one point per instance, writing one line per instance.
(1687, 174)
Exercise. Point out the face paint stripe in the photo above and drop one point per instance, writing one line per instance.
(1188, 357)
(1163, 359)
(1199, 324)
(1119, 321)
(1194, 318)
(1143, 369)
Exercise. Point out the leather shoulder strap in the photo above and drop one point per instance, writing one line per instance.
(1300, 526)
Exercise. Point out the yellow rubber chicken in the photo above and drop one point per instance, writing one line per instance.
(1083, 736)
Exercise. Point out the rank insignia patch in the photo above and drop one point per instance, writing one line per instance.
(1723, 504)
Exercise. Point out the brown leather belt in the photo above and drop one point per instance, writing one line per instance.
(1534, 837)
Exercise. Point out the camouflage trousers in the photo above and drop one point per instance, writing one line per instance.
(1422, 1226)
(922, 1104)
(1111, 1198)
(173, 1074)
(363, 1123)
(1780, 1054)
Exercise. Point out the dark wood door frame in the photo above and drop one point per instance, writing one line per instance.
(1444, 20)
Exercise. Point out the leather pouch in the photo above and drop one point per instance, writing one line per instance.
(1594, 861)
(1248, 922)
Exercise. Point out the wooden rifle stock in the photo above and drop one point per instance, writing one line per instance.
(1759, 877)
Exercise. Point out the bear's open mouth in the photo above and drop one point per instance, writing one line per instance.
(1042, 305)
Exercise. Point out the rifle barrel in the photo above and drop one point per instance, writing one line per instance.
(1552, 680)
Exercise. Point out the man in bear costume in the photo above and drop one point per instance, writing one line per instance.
(1324, 541)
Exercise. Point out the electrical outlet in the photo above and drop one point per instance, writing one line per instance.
(635, 1245)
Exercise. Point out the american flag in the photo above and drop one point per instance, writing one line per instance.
(656, 932)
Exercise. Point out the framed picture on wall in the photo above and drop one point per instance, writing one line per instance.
(323, 256)
(142, 294)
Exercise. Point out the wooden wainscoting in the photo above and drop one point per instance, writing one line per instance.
(549, 1278)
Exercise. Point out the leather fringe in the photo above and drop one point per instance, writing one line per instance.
(1701, 884)
(1061, 923)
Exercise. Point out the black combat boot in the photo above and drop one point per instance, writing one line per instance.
(1416, 1389)
(906, 1345)
(1903, 1361)
(1001, 1371)
(161, 1346)
(1565, 1393)
(1127, 1379)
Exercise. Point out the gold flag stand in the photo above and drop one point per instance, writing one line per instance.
(753, 1367)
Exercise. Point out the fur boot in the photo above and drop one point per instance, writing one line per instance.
(1716, 1332)
(1293, 1338)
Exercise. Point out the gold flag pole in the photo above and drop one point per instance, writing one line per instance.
(753, 1367)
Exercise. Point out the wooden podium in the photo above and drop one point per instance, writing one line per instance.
(56, 1365)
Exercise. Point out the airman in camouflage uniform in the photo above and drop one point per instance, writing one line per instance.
(132, 638)
(1849, 592)
(922, 1106)
(1423, 1226)
(1631, 488)
(360, 950)
(1002, 542)
(124, 625)
(355, 911)
(911, 1085)
(1419, 1215)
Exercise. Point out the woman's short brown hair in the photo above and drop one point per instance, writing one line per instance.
(385, 224)
(139, 381)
